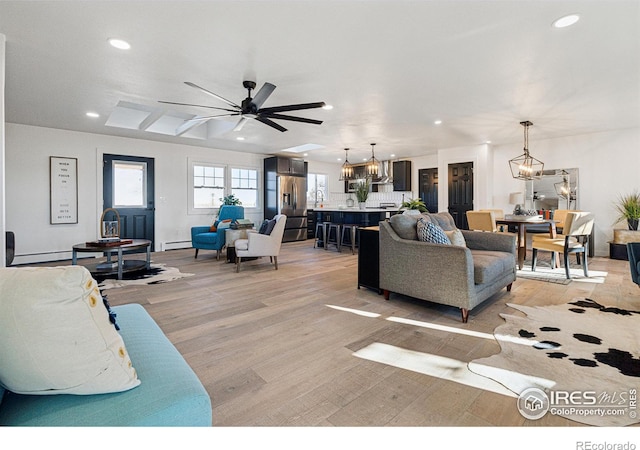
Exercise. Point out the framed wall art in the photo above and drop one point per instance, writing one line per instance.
(63, 176)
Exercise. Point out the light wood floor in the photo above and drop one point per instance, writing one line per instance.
(271, 352)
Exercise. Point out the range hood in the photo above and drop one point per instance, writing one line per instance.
(385, 175)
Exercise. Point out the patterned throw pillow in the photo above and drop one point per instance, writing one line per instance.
(430, 232)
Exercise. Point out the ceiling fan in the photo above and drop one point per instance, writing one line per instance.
(250, 108)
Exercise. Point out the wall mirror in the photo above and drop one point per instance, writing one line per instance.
(557, 189)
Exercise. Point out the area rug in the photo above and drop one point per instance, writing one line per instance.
(584, 356)
(558, 275)
(158, 273)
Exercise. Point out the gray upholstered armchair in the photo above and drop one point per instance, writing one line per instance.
(203, 237)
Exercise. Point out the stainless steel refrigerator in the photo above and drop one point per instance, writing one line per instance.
(285, 190)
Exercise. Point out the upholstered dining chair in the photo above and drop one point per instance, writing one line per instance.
(633, 251)
(211, 237)
(575, 239)
(482, 221)
(258, 245)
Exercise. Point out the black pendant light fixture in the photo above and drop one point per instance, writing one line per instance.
(373, 165)
(525, 166)
(347, 172)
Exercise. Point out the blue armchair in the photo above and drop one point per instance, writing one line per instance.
(203, 238)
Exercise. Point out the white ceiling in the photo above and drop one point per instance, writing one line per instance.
(389, 68)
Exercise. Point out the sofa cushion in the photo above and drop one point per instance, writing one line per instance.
(405, 225)
(430, 232)
(489, 265)
(444, 220)
(55, 334)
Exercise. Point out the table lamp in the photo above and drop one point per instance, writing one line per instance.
(516, 198)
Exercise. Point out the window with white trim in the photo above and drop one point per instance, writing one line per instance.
(244, 185)
(316, 188)
(208, 186)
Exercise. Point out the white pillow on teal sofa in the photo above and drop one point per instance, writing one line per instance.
(56, 337)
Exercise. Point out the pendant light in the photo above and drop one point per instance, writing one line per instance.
(347, 172)
(373, 165)
(526, 167)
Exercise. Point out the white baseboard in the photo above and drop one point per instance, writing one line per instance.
(174, 245)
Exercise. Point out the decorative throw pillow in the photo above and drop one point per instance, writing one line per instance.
(270, 225)
(56, 337)
(226, 223)
(213, 228)
(456, 237)
(263, 227)
(404, 225)
(430, 232)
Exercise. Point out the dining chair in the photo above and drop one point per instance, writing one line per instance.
(575, 239)
(497, 214)
(481, 221)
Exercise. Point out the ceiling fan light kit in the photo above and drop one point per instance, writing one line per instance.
(525, 166)
(251, 108)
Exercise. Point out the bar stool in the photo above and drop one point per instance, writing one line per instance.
(336, 228)
(319, 236)
(349, 230)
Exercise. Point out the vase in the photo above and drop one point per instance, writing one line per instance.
(361, 205)
(633, 224)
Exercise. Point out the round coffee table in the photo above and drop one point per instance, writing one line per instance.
(120, 265)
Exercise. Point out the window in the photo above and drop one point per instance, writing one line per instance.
(244, 185)
(129, 184)
(208, 186)
(316, 188)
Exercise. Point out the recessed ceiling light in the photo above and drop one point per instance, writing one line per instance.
(437, 122)
(487, 142)
(327, 107)
(239, 138)
(119, 43)
(392, 155)
(566, 21)
(93, 115)
(305, 154)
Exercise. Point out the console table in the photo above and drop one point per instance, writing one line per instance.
(120, 265)
(369, 258)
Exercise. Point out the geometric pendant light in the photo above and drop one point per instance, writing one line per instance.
(347, 172)
(372, 165)
(526, 167)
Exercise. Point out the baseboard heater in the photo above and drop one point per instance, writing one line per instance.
(174, 245)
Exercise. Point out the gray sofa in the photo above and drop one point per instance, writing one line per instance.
(447, 274)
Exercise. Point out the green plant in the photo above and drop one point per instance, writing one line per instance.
(414, 203)
(628, 206)
(362, 190)
(230, 200)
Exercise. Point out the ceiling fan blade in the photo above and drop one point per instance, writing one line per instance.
(198, 106)
(264, 93)
(271, 123)
(277, 109)
(230, 103)
(201, 118)
(240, 124)
(293, 118)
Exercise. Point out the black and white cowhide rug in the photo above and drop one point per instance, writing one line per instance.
(590, 351)
(158, 273)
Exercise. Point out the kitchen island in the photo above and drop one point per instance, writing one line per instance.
(366, 217)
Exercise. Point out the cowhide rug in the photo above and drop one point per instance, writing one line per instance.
(158, 273)
(582, 347)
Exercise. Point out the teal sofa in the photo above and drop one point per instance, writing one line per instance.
(170, 393)
(203, 238)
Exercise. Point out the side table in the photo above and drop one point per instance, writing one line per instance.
(369, 258)
(230, 238)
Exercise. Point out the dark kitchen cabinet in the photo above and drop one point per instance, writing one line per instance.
(402, 175)
(290, 166)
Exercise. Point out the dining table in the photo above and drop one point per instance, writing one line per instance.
(521, 224)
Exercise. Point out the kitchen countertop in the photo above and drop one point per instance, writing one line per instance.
(354, 209)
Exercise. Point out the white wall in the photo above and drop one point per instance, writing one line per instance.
(27, 179)
(3, 41)
(608, 165)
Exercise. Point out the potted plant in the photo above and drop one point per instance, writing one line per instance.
(415, 205)
(230, 200)
(628, 208)
(362, 192)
